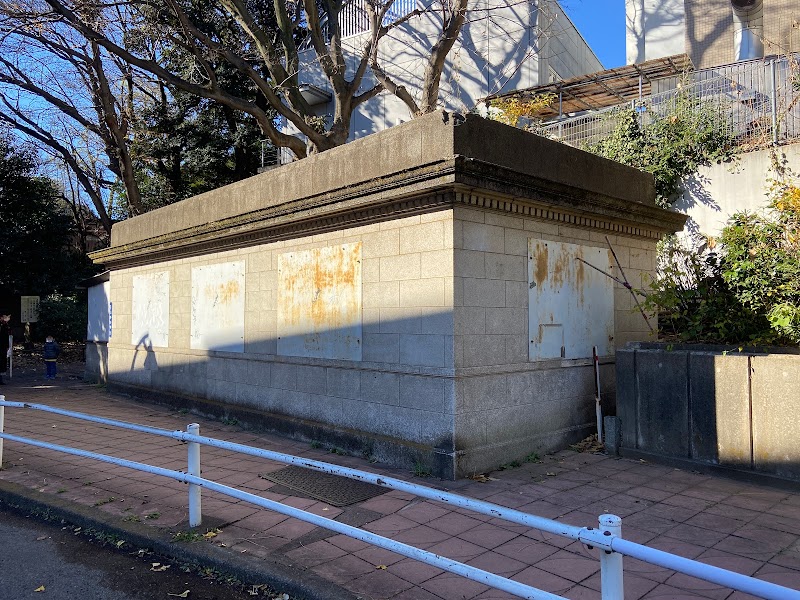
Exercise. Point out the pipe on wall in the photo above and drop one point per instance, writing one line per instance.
(748, 29)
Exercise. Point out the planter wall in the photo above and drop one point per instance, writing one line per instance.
(711, 406)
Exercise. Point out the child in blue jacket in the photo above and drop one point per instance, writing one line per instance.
(51, 352)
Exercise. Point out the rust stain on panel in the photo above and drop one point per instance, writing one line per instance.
(580, 276)
(319, 312)
(540, 272)
(222, 294)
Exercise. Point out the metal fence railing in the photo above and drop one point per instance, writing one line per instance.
(274, 157)
(354, 18)
(606, 538)
(758, 102)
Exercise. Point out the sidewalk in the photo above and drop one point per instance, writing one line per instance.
(747, 528)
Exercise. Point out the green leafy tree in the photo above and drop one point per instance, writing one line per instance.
(62, 316)
(36, 230)
(185, 145)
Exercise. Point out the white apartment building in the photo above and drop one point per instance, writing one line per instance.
(504, 45)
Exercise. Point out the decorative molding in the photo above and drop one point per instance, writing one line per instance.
(421, 191)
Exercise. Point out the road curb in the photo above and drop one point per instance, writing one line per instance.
(278, 574)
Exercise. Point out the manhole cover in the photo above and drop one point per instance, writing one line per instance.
(331, 489)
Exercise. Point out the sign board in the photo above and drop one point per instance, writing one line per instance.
(29, 309)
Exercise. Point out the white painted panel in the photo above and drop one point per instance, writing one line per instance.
(319, 304)
(150, 309)
(571, 305)
(218, 293)
(98, 328)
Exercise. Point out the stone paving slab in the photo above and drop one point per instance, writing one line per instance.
(749, 528)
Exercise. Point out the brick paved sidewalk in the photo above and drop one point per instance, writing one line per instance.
(748, 528)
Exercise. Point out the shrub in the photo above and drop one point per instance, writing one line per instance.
(63, 317)
(745, 290)
(695, 304)
(762, 256)
(671, 146)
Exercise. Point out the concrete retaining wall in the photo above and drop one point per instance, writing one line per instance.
(733, 409)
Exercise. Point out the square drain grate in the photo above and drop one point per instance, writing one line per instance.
(331, 489)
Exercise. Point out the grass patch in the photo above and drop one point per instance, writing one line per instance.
(421, 470)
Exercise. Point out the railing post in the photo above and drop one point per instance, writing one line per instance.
(194, 469)
(611, 585)
(2, 421)
(773, 68)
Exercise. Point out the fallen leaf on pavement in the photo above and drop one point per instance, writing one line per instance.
(482, 478)
(181, 595)
(158, 567)
(39, 589)
(41, 537)
(381, 567)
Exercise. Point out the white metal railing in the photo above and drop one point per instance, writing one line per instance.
(758, 102)
(607, 538)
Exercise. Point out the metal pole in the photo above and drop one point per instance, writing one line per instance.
(773, 67)
(479, 506)
(611, 584)
(2, 422)
(597, 407)
(195, 517)
(475, 574)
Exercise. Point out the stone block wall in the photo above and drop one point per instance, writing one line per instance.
(445, 340)
(402, 388)
(508, 405)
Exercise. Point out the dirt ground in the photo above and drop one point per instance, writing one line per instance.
(28, 363)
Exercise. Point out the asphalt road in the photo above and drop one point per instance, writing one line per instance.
(42, 561)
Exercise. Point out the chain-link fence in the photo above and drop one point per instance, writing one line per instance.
(757, 101)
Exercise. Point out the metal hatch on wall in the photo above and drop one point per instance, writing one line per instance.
(570, 306)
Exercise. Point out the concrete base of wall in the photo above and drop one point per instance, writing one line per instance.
(744, 475)
(389, 450)
(96, 369)
(480, 456)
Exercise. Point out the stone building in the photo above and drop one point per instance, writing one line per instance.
(421, 295)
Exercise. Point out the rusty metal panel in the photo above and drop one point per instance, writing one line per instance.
(570, 305)
(319, 302)
(218, 293)
(150, 309)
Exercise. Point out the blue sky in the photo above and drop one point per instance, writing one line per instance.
(602, 24)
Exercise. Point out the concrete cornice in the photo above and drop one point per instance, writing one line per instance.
(527, 176)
